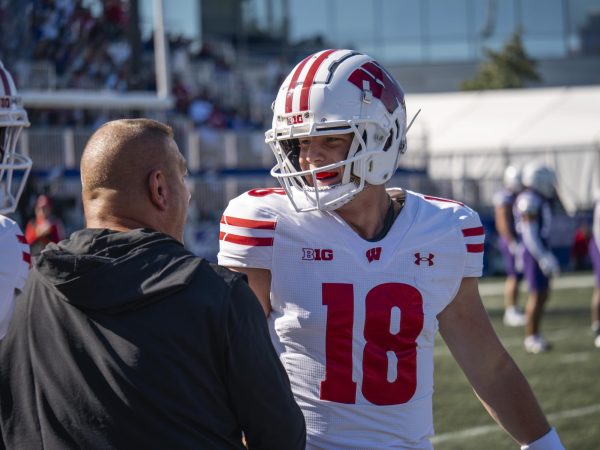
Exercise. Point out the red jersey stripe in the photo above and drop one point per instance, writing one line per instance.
(27, 258)
(310, 77)
(246, 240)
(438, 199)
(248, 223)
(21, 239)
(474, 248)
(289, 97)
(477, 231)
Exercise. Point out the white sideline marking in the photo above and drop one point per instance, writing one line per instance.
(574, 358)
(485, 429)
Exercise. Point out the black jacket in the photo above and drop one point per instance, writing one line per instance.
(127, 340)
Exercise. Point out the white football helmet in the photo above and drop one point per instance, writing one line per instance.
(512, 179)
(337, 92)
(14, 166)
(539, 178)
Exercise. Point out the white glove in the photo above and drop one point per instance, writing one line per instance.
(549, 265)
(549, 441)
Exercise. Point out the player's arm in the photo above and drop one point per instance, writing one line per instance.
(533, 242)
(503, 217)
(494, 376)
(260, 282)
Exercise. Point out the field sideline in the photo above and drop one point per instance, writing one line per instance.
(566, 380)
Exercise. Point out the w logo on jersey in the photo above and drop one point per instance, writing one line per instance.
(424, 259)
(381, 84)
(373, 254)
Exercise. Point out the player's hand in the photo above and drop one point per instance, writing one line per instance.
(549, 265)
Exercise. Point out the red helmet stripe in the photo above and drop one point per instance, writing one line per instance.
(310, 77)
(290, 93)
(5, 83)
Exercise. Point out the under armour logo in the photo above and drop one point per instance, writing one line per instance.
(373, 254)
(419, 259)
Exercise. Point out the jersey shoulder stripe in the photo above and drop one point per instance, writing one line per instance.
(245, 240)
(248, 228)
(248, 223)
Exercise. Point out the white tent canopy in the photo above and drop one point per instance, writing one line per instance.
(475, 135)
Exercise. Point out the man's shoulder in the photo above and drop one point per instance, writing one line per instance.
(439, 205)
(11, 235)
(8, 225)
(14, 256)
(503, 197)
(529, 202)
(258, 204)
(438, 213)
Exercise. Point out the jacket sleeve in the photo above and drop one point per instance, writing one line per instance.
(257, 382)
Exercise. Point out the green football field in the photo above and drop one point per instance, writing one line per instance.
(566, 380)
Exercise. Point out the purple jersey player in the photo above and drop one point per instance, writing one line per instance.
(508, 243)
(533, 219)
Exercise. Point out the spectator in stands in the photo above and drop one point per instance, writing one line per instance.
(44, 227)
(131, 341)
(579, 248)
(594, 247)
(509, 245)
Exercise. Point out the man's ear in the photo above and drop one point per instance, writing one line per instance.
(157, 185)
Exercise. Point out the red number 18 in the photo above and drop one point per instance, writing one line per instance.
(338, 385)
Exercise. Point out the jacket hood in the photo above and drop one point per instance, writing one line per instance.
(113, 272)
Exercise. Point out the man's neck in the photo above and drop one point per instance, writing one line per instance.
(366, 213)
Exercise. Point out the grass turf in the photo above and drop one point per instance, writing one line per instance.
(566, 380)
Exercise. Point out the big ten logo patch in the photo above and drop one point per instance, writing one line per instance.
(295, 119)
(317, 254)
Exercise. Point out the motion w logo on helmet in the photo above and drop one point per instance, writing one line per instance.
(380, 83)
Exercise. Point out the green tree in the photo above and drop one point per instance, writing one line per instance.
(511, 67)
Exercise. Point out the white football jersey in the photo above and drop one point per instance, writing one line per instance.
(354, 321)
(14, 268)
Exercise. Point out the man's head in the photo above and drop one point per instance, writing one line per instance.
(14, 166)
(540, 178)
(512, 179)
(337, 93)
(133, 176)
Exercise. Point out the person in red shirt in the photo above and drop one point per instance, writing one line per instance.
(579, 248)
(44, 227)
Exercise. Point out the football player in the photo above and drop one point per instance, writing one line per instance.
(508, 244)
(14, 170)
(594, 249)
(533, 215)
(356, 279)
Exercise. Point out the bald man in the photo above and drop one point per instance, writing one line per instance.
(123, 339)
